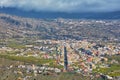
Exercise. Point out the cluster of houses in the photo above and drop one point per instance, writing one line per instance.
(81, 56)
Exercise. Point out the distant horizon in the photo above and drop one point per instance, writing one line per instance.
(53, 15)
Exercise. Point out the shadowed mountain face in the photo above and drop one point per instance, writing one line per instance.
(17, 27)
(53, 15)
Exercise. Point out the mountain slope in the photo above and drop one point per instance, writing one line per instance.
(16, 27)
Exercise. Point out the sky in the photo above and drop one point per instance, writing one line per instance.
(64, 5)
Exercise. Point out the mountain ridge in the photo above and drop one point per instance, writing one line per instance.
(53, 15)
(19, 27)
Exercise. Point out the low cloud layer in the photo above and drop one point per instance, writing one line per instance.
(64, 5)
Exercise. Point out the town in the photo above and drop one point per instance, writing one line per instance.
(51, 57)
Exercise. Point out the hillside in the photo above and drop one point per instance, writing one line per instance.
(17, 27)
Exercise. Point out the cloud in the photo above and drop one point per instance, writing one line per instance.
(64, 5)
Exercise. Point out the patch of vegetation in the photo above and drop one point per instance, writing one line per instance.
(114, 57)
(27, 59)
(117, 73)
(32, 60)
(62, 76)
(16, 45)
(12, 52)
(111, 71)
